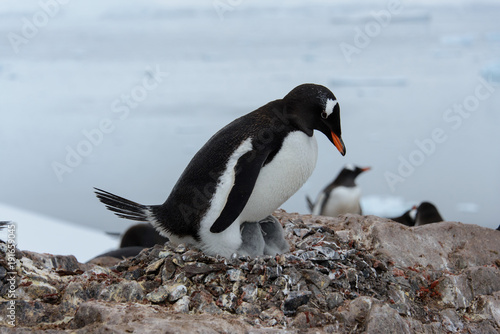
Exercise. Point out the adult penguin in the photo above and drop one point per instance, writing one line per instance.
(243, 173)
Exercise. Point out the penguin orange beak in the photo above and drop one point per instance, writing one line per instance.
(339, 143)
(366, 169)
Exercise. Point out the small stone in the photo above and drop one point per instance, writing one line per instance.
(334, 300)
(301, 232)
(182, 305)
(358, 309)
(159, 295)
(249, 293)
(168, 270)
(248, 309)
(351, 275)
(176, 292)
(384, 319)
(451, 321)
(272, 322)
(330, 254)
(181, 248)
(320, 280)
(192, 256)
(192, 269)
(294, 300)
(308, 255)
(125, 291)
(164, 254)
(177, 260)
(228, 301)
(3, 273)
(235, 275)
(153, 267)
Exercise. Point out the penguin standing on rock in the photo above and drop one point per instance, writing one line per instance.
(341, 196)
(241, 175)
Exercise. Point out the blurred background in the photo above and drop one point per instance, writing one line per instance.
(121, 94)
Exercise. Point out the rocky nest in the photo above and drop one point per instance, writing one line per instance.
(350, 274)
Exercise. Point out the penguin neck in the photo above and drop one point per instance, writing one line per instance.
(299, 118)
(291, 117)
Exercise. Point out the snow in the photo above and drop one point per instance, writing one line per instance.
(78, 109)
(44, 234)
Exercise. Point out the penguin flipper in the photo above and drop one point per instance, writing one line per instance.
(246, 172)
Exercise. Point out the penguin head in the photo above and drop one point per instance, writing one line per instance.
(354, 170)
(314, 107)
(348, 175)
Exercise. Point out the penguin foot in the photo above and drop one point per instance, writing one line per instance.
(274, 236)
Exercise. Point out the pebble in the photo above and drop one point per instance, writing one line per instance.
(294, 300)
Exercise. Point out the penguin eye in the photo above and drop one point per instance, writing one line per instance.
(324, 114)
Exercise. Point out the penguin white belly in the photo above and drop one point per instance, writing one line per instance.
(277, 182)
(228, 241)
(282, 177)
(342, 200)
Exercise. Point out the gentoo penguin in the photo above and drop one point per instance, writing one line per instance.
(142, 235)
(341, 196)
(427, 213)
(243, 173)
(407, 218)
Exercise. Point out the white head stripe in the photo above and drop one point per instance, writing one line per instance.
(330, 104)
(350, 167)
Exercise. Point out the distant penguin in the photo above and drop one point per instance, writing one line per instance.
(427, 213)
(498, 228)
(243, 173)
(407, 218)
(143, 235)
(341, 196)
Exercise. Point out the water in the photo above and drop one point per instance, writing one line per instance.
(120, 95)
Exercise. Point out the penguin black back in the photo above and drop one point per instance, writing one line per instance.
(142, 235)
(427, 213)
(215, 188)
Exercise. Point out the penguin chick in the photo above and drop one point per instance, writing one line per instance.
(243, 173)
(274, 236)
(341, 196)
(252, 240)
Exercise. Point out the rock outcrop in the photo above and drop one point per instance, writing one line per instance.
(352, 274)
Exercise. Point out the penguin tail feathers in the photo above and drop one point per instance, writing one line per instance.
(125, 208)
